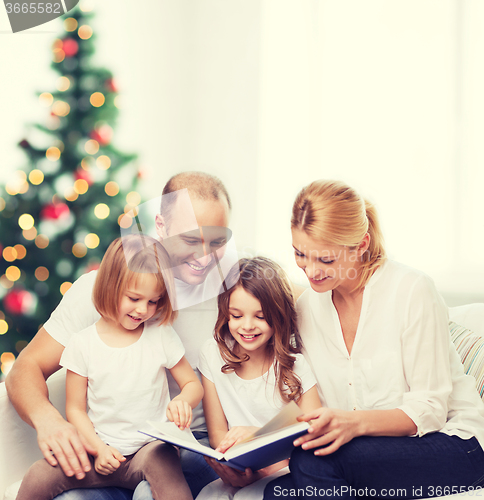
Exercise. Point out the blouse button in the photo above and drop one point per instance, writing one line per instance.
(350, 383)
(354, 407)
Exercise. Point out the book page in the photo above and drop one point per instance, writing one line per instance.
(286, 417)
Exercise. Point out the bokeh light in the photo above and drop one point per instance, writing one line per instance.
(97, 99)
(111, 188)
(29, 234)
(84, 32)
(42, 241)
(61, 108)
(36, 176)
(63, 83)
(26, 221)
(13, 273)
(81, 186)
(65, 286)
(103, 162)
(79, 250)
(91, 240)
(53, 153)
(21, 251)
(9, 254)
(133, 198)
(101, 211)
(70, 24)
(46, 99)
(3, 327)
(42, 273)
(91, 147)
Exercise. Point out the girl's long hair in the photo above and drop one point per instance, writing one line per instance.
(267, 282)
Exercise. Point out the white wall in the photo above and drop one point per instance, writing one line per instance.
(271, 94)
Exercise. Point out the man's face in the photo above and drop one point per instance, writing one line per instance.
(194, 252)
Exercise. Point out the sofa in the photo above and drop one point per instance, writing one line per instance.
(18, 443)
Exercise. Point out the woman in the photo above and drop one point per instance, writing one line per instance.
(399, 417)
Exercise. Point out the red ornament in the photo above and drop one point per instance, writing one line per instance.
(102, 134)
(111, 85)
(70, 47)
(54, 211)
(25, 144)
(18, 302)
(85, 175)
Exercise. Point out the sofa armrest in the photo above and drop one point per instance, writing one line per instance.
(18, 441)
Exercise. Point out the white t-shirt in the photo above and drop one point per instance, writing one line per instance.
(248, 402)
(402, 356)
(126, 385)
(194, 325)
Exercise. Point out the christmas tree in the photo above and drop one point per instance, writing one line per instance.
(59, 213)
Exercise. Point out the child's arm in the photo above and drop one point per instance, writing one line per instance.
(180, 407)
(309, 401)
(214, 415)
(108, 459)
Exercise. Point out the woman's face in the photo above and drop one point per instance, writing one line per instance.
(327, 266)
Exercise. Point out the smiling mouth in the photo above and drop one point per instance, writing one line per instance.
(320, 279)
(196, 268)
(133, 318)
(249, 337)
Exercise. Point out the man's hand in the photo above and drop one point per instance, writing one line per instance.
(234, 477)
(108, 459)
(61, 444)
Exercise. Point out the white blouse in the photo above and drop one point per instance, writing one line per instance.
(402, 356)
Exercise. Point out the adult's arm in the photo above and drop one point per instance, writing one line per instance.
(27, 389)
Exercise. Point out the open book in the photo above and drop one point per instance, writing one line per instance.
(270, 444)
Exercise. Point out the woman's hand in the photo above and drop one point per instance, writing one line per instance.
(108, 459)
(234, 436)
(329, 428)
(179, 412)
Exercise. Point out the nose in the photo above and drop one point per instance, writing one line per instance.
(248, 324)
(313, 272)
(141, 307)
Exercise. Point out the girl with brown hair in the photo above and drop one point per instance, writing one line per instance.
(253, 366)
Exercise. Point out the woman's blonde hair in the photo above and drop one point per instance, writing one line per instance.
(267, 282)
(334, 213)
(127, 259)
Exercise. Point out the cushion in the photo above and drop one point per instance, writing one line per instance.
(470, 348)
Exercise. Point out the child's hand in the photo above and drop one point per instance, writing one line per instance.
(234, 436)
(180, 412)
(108, 459)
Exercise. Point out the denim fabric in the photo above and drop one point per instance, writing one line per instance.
(385, 467)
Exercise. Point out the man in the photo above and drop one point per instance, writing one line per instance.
(58, 440)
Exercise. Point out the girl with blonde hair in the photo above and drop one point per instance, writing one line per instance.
(399, 417)
(117, 366)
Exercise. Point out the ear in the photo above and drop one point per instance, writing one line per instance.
(364, 245)
(160, 226)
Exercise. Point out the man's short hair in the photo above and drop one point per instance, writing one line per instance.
(200, 184)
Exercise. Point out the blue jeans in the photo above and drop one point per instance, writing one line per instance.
(391, 467)
(196, 470)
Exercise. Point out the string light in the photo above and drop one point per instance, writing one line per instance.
(91, 147)
(133, 198)
(70, 194)
(70, 24)
(42, 273)
(2, 204)
(103, 162)
(36, 176)
(58, 55)
(84, 32)
(21, 251)
(65, 286)
(5, 282)
(91, 240)
(46, 99)
(63, 83)
(41, 241)
(7, 359)
(125, 221)
(81, 186)
(79, 250)
(12, 273)
(97, 99)
(26, 221)
(87, 162)
(3, 327)
(111, 188)
(29, 234)
(61, 108)
(101, 211)
(9, 254)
